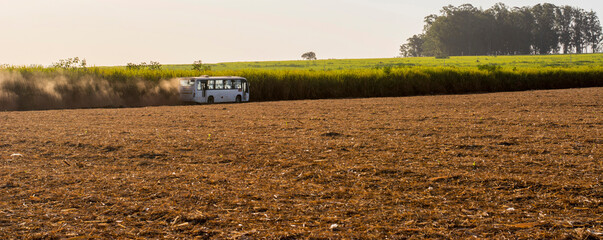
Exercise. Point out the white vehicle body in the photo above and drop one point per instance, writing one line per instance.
(214, 89)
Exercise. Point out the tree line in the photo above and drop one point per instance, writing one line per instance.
(501, 30)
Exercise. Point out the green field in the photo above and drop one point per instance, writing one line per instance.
(505, 62)
(27, 88)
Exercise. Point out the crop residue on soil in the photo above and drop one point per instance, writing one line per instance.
(503, 165)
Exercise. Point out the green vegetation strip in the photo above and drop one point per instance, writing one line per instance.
(25, 88)
(504, 61)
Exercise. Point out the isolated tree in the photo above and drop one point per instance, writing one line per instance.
(70, 63)
(309, 56)
(199, 66)
(154, 66)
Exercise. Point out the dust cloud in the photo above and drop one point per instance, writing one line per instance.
(37, 91)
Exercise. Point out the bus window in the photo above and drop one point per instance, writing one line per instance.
(219, 84)
(199, 85)
(237, 84)
(227, 84)
(245, 87)
(210, 84)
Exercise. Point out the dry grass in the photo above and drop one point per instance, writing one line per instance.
(504, 165)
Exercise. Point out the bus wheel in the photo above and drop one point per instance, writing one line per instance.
(210, 100)
(238, 99)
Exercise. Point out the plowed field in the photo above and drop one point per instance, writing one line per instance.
(518, 165)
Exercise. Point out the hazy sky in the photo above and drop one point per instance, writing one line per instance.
(115, 32)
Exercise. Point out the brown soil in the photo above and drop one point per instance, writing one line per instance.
(518, 165)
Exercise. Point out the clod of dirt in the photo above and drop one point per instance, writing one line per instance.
(9, 185)
(331, 134)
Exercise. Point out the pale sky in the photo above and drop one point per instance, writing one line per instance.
(116, 32)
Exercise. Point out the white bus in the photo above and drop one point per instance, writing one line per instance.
(214, 89)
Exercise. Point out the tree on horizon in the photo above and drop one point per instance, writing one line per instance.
(502, 30)
(309, 56)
